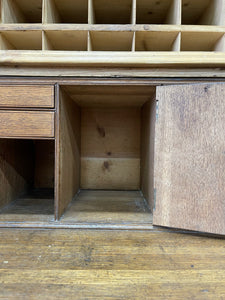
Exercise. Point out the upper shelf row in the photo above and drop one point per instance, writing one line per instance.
(202, 12)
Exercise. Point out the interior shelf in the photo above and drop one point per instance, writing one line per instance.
(111, 12)
(21, 11)
(111, 41)
(65, 11)
(27, 179)
(157, 41)
(204, 12)
(65, 40)
(158, 12)
(21, 40)
(202, 41)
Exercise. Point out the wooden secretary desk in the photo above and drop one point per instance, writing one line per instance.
(112, 114)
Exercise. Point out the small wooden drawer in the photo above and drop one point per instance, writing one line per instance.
(26, 124)
(27, 96)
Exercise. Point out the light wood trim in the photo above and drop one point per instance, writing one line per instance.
(136, 59)
(26, 124)
(27, 96)
(133, 12)
(174, 14)
(91, 12)
(114, 27)
(11, 12)
(64, 74)
(50, 12)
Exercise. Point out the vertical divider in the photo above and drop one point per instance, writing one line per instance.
(215, 14)
(68, 143)
(174, 14)
(133, 42)
(89, 42)
(220, 45)
(0, 11)
(177, 43)
(43, 11)
(50, 13)
(46, 45)
(11, 13)
(133, 12)
(91, 12)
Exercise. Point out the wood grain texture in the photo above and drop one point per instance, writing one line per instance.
(90, 264)
(105, 73)
(110, 173)
(113, 12)
(110, 148)
(120, 59)
(68, 152)
(27, 96)
(26, 124)
(190, 161)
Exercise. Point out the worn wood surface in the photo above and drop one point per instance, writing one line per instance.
(73, 264)
(89, 209)
(110, 148)
(67, 153)
(189, 157)
(26, 124)
(27, 96)
(196, 73)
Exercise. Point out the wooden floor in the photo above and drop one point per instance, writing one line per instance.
(91, 264)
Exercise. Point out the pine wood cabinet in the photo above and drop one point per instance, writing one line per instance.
(111, 114)
(112, 154)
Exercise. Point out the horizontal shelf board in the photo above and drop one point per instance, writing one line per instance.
(101, 58)
(97, 27)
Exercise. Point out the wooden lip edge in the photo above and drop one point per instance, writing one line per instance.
(110, 27)
(58, 225)
(111, 58)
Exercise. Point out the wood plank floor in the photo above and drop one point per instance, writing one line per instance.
(91, 264)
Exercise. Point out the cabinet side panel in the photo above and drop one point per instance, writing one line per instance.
(68, 156)
(190, 158)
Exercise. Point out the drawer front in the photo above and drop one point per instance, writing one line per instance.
(27, 96)
(26, 124)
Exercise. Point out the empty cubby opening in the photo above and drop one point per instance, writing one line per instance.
(65, 11)
(27, 179)
(110, 41)
(202, 41)
(111, 12)
(21, 11)
(66, 40)
(157, 41)
(111, 132)
(21, 40)
(203, 12)
(158, 12)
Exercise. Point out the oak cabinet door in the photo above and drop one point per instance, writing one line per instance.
(189, 173)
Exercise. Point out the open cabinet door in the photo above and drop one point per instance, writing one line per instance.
(190, 157)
